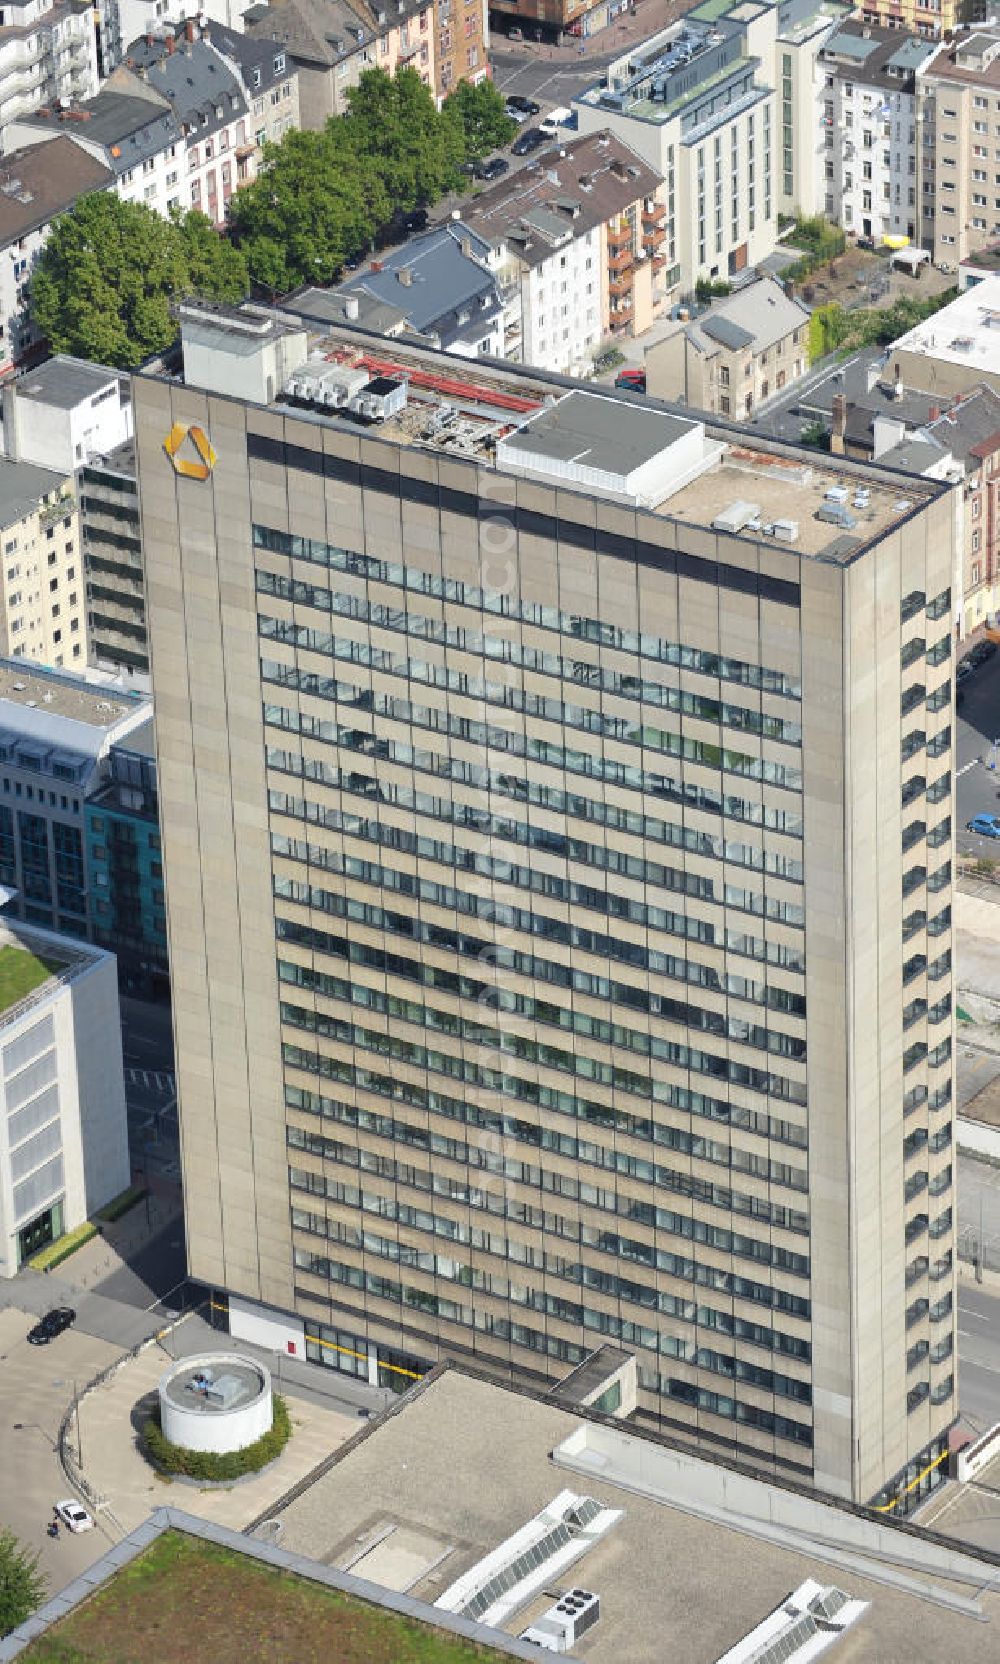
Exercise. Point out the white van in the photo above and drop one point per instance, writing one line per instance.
(554, 120)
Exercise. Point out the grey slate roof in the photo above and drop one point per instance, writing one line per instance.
(444, 283)
(255, 55)
(325, 32)
(22, 487)
(728, 333)
(974, 421)
(912, 456)
(329, 306)
(201, 88)
(131, 125)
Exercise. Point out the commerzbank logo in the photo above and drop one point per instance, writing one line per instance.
(198, 466)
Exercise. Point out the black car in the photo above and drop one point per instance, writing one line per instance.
(527, 106)
(51, 1325)
(495, 168)
(528, 141)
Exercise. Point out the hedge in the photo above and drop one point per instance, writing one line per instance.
(207, 1464)
(60, 1250)
(121, 1203)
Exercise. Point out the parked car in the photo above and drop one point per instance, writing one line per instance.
(634, 380)
(528, 141)
(965, 668)
(74, 1516)
(51, 1325)
(493, 168)
(514, 112)
(514, 33)
(986, 826)
(526, 106)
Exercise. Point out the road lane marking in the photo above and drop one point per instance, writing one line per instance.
(967, 1311)
(966, 767)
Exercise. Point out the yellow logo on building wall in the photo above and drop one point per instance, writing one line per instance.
(191, 470)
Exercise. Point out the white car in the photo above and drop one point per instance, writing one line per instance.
(74, 1516)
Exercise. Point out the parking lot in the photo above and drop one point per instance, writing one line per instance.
(36, 1385)
(976, 756)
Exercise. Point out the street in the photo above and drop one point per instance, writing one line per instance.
(977, 786)
(979, 1354)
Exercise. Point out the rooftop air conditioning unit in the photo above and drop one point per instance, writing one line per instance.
(562, 1626)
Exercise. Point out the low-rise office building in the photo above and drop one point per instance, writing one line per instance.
(63, 1129)
(745, 349)
(56, 733)
(576, 241)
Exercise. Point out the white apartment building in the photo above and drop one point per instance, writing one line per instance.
(63, 1129)
(869, 124)
(47, 52)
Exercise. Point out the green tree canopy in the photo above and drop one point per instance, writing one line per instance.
(22, 1586)
(414, 149)
(314, 203)
(107, 276)
(480, 110)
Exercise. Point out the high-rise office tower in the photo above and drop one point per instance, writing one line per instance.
(556, 797)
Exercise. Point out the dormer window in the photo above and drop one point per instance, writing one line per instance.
(256, 77)
(279, 64)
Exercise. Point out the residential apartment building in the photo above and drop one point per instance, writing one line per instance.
(929, 18)
(958, 110)
(36, 183)
(332, 42)
(581, 969)
(56, 732)
(63, 1128)
(461, 43)
(42, 598)
(871, 146)
(128, 128)
(223, 120)
(748, 347)
(125, 865)
(443, 288)
(47, 52)
(576, 241)
(695, 105)
(723, 104)
(75, 418)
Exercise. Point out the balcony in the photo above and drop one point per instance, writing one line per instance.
(621, 315)
(621, 261)
(654, 239)
(654, 215)
(619, 236)
(621, 286)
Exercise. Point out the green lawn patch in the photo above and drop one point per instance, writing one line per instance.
(121, 1203)
(60, 1250)
(185, 1599)
(206, 1464)
(21, 972)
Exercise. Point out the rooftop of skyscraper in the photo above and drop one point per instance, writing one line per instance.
(621, 448)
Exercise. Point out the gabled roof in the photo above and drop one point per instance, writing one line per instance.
(202, 89)
(970, 430)
(434, 282)
(255, 55)
(562, 195)
(326, 32)
(755, 317)
(43, 180)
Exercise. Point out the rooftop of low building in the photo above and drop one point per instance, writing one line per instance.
(127, 117)
(695, 1555)
(966, 332)
(24, 488)
(66, 382)
(866, 54)
(33, 697)
(753, 318)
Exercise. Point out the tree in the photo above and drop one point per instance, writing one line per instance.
(313, 204)
(484, 121)
(215, 267)
(415, 150)
(110, 272)
(22, 1585)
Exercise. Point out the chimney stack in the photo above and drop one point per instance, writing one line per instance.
(171, 44)
(467, 247)
(897, 382)
(351, 307)
(405, 276)
(838, 428)
(190, 31)
(933, 412)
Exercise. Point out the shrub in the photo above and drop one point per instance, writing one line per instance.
(207, 1464)
(708, 289)
(120, 1204)
(60, 1250)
